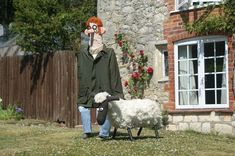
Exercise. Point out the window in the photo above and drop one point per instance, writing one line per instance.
(201, 73)
(1, 30)
(189, 4)
(165, 64)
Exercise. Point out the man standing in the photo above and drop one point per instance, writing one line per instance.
(98, 72)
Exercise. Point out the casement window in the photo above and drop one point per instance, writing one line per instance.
(201, 73)
(189, 4)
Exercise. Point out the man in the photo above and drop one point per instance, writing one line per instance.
(98, 72)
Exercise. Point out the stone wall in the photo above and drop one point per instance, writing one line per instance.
(142, 22)
(213, 122)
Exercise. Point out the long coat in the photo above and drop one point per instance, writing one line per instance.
(97, 75)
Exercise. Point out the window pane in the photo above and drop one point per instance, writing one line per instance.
(209, 49)
(193, 51)
(221, 80)
(193, 82)
(183, 67)
(183, 98)
(182, 52)
(221, 97)
(193, 66)
(193, 98)
(210, 81)
(209, 65)
(220, 66)
(220, 48)
(210, 97)
(166, 63)
(183, 82)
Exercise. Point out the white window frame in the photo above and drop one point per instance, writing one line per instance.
(201, 75)
(190, 4)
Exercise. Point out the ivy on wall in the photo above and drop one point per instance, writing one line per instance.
(209, 24)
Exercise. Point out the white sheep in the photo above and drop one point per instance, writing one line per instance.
(132, 113)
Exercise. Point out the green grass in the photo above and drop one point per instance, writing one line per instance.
(33, 137)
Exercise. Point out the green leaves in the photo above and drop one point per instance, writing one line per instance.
(49, 25)
(221, 23)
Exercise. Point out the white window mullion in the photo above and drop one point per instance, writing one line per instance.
(176, 75)
(215, 72)
(201, 76)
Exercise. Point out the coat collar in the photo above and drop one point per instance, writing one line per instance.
(101, 53)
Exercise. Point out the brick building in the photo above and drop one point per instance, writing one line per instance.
(195, 73)
(201, 71)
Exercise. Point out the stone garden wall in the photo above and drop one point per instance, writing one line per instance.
(213, 122)
(142, 22)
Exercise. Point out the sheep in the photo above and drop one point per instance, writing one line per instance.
(129, 113)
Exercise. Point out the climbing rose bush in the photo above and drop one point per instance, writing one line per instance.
(140, 73)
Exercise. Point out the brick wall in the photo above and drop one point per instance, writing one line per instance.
(174, 31)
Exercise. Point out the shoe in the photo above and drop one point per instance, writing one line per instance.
(86, 135)
(102, 137)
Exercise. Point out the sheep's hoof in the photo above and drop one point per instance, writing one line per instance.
(157, 134)
(156, 129)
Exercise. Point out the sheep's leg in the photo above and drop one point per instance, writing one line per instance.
(139, 131)
(129, 133)
(156, 132)
(114, 132)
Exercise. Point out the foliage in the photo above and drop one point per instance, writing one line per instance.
(11, 112)
(140, 73)
(50, 25)
(208, 23)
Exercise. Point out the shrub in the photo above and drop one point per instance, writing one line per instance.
(11, 112)
(50, 25)
(140, 72)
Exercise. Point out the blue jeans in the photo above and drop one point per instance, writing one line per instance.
(86, 122)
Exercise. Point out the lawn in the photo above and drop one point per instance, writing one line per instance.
(32, 137)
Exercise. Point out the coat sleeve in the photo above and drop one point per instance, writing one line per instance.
(115, 79)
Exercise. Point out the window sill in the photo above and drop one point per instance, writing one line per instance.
(163, 80)
(191, 8)
(199, 111)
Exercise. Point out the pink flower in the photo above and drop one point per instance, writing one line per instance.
(135, 75)
(126, 83)
(150, 70)
(120, 43)
(141, 52)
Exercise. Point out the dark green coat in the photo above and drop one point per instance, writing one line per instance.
(98, 75)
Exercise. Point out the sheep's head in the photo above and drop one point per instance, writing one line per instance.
(101, 97)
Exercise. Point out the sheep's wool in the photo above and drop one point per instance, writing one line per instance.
(134, 113)
(100, 97)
